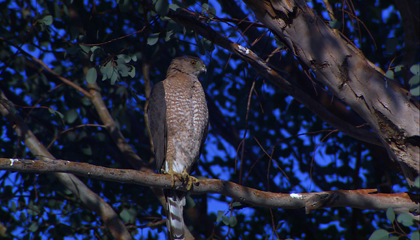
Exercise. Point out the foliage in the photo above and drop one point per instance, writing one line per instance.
(269, 142)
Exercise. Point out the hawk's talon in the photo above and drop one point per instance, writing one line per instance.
(173, 175)
(190, 180)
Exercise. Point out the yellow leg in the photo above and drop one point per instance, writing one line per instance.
(188, 179)
(172, 174)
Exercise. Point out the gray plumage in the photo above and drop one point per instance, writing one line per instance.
(178, 120)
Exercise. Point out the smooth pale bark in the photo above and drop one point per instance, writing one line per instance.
(342, 68)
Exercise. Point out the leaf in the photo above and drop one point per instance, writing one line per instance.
(414, 80)
(415, 69)
(153, 39)
(124, 57)
(124, 5)
(415, 235)
(236, 204)
(132, 72)
(71, 116)
(91, 75)
(219, 215)
(335, 24)
(405, 219)
(391, 44)
(115, 77)
(34, 226)
(279, 225)
(125, 215)
(233, 221)
(379, 234)
(162, 7)
(390, 214)
(415, 91)
(122, 68)
(417, 182)
(225, 220)
(134, 58)
(87, 150)
(47, 20)
(190, 203)
(389, 74)
(85, 49)
(13, 206)
(398, 68)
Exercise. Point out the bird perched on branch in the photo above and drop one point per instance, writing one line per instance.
(178, 121)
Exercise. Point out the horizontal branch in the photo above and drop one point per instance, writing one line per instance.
(363, 199)
(260, 65)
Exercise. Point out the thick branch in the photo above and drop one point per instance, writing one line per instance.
(363, 199)
(251, 58)
(89, 198)
(348, 75)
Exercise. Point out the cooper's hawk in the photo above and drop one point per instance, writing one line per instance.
(178, 120)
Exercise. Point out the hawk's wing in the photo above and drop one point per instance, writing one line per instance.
(156, 112)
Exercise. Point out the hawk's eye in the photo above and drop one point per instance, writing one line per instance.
(193, 62)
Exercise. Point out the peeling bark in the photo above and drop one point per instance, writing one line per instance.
(390, 110)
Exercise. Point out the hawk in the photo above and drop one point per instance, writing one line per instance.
(178, 121)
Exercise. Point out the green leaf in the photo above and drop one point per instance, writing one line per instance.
(415, 91)
(132, 72)
(34, 226)
(124, 57)
(415, 235)
(391, 44)
(279, 225)
(398, 68)
(389, 74)
(85, 49)
(153, 39)
(115, 77)
(405, 219)
(190, 203)
(415, 69)
(379, 234)
(168, 35)
(124, 5)
(219, 215)
(414, 80)
(233, 221)
(87, 150)
(122, 68)
(236, 204)
(390, 214)
(134, 58)
(125, 215)
(162, 7)
(71, 116)
(13, 206)
(91, 75)
(417, 182)
(335, 24)
(211, 12)
(225, 220)
(47, 20)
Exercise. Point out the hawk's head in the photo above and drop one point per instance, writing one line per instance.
(189, 65)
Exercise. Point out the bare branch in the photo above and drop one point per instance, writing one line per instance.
(89, 198)
(363, 199)
(250, 57)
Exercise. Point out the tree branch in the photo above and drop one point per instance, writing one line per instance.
(363, 199)
(89, 198)
(350, 76)
(259, 64)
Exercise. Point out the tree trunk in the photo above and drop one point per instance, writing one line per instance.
(389, 109)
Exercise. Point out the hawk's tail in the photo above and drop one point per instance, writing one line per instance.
(175, 202)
